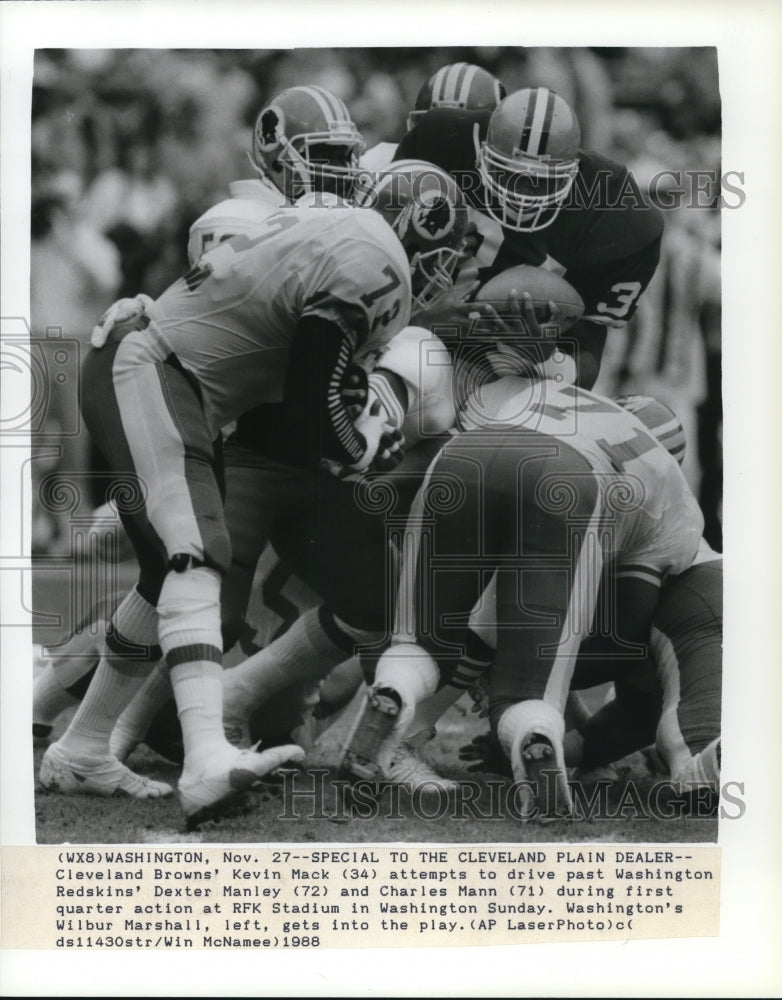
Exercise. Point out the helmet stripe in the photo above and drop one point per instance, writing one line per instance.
(322, 98)
(546, 132)
(453, 82)
(536, 136)
(438, 83)
(526, 125)
(463, 91)
(340, 112)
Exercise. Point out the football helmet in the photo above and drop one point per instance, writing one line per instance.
(529, 159)
(659, 420)
(304, 140)
(425, 208)
(460, 85)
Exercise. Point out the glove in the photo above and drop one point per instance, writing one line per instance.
(121, 311)
(354, 390)
(383, 439)
(483, 753)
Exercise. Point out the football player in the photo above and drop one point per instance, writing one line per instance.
(304, 142)
(279, 318)
(541, 199)
(457, 85)
(674, 700)
(545, 485)
(671, 700)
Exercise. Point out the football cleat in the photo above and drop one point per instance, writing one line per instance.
(371, 739)
(106, 776)
(206, 794)
(543, 782)
(408, 769)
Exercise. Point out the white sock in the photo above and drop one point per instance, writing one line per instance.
(116, 680)
(306, 652)
(110, 691)
(189, 607)
(49, 697)
(198, 689)
(131, 727)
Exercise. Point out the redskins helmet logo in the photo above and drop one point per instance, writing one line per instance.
(271, 128)
(431, 215)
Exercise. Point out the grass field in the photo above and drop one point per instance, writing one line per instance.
(270, 816)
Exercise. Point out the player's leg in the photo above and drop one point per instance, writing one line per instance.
(686, 643)
(547, 502)
(67, 669)
(81, 760)
(255, 491)
(150, 424)
(338, 546)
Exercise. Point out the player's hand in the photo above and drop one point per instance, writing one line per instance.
(454, 307)
(390, 450)
(472, 240)
(483, 753)
(121, 311)
(479, 693)
(518, 317)
(354, 391)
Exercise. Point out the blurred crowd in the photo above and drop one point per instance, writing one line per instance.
(129, 147)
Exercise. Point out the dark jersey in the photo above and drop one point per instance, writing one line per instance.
(605, 240)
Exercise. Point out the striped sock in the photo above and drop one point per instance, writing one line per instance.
(131, 655)
(191, 641)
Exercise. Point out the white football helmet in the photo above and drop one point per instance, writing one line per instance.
(426, 209)
(529, 159)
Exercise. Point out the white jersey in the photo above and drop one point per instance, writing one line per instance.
(231, 320)
(652, 523)
(251, 202)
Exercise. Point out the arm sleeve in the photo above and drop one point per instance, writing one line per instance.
(313, 412)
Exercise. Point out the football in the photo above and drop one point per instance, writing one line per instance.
(542, 285)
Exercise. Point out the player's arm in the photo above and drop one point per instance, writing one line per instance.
(314, 411)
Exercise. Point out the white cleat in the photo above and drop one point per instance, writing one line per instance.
(204, 795)
(532, 733)
(374, 735)
(105, 776)
(408, 769)
(541, 777)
